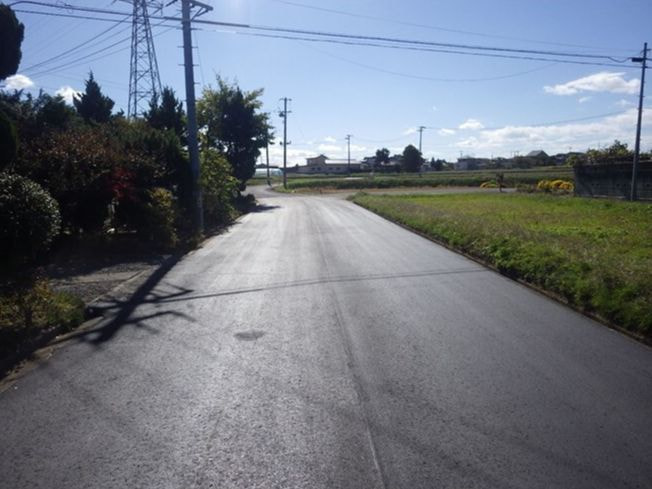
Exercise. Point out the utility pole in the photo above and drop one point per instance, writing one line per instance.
(269, 183)
(348, 142)
(637, 145)
(284, 114)
(193, 145)
(420, 129)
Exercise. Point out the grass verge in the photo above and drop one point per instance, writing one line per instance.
(595, 254)
(28, 312)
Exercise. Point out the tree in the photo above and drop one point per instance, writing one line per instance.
(616, 152)
(382, 157)
(437, 164)
(167, 115)
(92, 105)
(8, 140)
(54, 112)
(232, 123)
(12, 33)
(218, 187)
(412, 159)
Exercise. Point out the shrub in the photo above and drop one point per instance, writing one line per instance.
(218, 187)
(75, 167)
(159, 216)
(29, 221)
(543, 186)
(8, 140)
(488, 184)
(557, 186)
(28, 308)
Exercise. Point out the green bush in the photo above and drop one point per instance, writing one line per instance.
(8, 140)
(159, 218)
(75, 167)
(29, 308)
(153, 214)
(29, 221)
(218, 187)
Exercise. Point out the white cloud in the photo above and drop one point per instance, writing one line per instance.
(329, 147)
(446, 132)
(411, 130)
(18, 82)
(330, 139)
(67, 92)
(554, 138)
(471, 124)
(624, 103)
(355, 147)
(604, 81)
(583, 100)
(434, 108)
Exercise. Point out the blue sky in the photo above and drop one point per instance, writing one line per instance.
(470, 105)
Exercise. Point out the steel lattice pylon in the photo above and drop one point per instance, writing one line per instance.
(144, 80)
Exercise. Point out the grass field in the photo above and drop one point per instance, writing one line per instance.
(431, 179)
(596, 254)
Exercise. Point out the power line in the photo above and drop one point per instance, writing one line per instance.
(429, 78)
(410, 42)
(89, 58)
(433, 50)
(88, 43)
(431, 27)
(382, 41)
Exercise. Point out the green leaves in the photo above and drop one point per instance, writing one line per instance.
(12, 33)
(233, 124)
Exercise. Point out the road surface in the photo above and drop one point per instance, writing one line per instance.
(316, 345)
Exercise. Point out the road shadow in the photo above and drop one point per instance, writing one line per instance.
(121, 310)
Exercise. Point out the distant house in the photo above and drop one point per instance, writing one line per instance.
(561, 158)
(470, 163)
(325, 165)
(537, 154)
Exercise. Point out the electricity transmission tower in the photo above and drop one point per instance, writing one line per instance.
(144, 80)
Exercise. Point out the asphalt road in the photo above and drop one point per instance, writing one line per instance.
(316, 345)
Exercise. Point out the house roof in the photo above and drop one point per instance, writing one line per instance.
(537, 154)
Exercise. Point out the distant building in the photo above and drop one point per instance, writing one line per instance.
(561, 158)
(470, 163)
(325, 165)
(537, 154)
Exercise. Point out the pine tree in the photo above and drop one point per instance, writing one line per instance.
(92, 105)
(168, 114)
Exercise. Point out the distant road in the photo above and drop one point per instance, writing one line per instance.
(316, 345)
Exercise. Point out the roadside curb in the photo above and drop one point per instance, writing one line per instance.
(12, 365)
(93, 310)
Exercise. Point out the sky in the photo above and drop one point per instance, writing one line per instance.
(469, 105)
